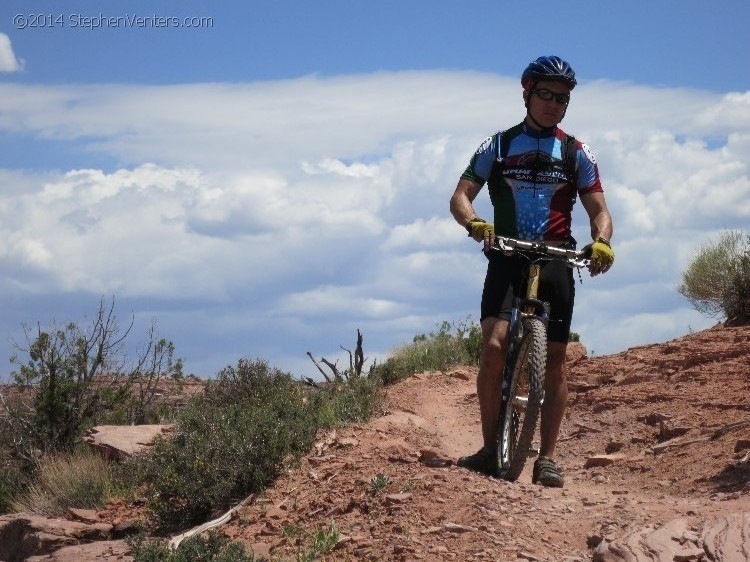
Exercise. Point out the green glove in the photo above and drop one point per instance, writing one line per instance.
(602, 255)
(479, 229)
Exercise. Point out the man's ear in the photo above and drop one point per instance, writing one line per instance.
(526, 98)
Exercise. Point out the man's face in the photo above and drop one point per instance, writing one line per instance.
(548, 113)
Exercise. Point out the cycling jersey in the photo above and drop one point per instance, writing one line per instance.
(530, 189)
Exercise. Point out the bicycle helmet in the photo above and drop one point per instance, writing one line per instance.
(548, 68)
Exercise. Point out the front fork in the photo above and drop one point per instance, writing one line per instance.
(530, 306)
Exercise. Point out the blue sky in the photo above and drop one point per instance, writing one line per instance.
(270, 181)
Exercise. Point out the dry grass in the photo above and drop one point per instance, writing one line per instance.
(80, 480)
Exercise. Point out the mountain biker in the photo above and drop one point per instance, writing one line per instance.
(532, 187)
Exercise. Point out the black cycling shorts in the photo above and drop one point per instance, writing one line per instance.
(506, 278)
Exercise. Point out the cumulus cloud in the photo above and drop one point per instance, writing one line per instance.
(8, 60)
(293, 210)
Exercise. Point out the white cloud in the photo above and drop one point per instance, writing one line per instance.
(297, 211)
(8, 60)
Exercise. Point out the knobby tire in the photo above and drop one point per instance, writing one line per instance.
(519, 414)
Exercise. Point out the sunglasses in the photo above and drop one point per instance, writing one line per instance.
(548, 95)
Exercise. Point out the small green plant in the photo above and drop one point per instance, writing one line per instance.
(379, 482)
(409, 487)
(323, 542)
(210, 548)
(82, 480)
(292, 530)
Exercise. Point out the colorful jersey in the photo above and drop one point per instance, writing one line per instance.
(530, 190)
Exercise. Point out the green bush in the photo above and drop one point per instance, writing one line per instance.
(458, 344)
(211, 548)
(228, 443)
(717, 280)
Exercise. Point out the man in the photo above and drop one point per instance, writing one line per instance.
(533, 177)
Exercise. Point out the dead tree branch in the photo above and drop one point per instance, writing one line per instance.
(322, 372)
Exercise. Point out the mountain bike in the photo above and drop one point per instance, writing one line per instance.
(526, 356)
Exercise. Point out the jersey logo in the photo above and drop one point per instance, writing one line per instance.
(485, 145)
(589, 154)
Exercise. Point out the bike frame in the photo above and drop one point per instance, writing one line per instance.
(524, 307)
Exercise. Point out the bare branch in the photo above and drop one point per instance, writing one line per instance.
(332, 366)
(319, 367)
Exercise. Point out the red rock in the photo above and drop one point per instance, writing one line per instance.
(603, 460)
(119, 442)
(23, 535)
(434, 458)
(575, 352)
(83, 515)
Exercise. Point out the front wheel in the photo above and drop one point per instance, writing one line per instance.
(520, 412)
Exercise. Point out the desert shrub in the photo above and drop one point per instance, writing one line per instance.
(81, 479)
(75, 377)
(452, 344)
(228, 443)
(354, 400)
(198, 548)
(717, 280)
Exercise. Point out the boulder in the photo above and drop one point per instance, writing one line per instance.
(23, 535)
(575, 352)
(103, 550)
(118, 442)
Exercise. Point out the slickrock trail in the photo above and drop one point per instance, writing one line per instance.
(655, 448)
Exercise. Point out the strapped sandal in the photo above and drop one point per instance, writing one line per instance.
(547, 474)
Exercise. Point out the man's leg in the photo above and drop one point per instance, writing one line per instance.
(555, 396)
(555, 399)
(489, 392)
(489, 379)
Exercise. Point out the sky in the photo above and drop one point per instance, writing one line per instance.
(263, 179)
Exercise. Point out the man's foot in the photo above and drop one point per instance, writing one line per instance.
(484, 461)
(547, 474)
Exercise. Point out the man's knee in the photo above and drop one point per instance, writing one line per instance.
(556, 367)
(494, 340)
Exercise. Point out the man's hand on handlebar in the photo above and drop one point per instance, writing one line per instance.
(602, 257)
(482, 231)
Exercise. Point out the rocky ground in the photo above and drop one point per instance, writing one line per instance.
(655, 449)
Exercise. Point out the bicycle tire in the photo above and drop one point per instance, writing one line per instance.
(519, 414)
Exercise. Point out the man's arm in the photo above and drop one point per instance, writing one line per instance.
(599, 217)
(601, 227)
(461, 207)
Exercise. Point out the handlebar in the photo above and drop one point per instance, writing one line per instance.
(509, 246)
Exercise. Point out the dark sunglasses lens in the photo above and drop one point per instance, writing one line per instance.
(547, 95)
